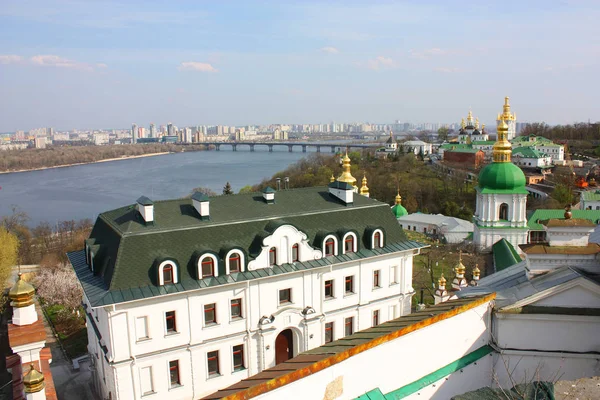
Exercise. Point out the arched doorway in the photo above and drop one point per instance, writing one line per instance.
(284, 346)
(504, 211)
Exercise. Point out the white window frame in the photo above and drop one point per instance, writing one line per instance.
(354, 245)
(394, 276)
(137, 334)
(215, 261)
(380, 238)
(242, 260)
(152, 391)
(162, 266)
(335, 244)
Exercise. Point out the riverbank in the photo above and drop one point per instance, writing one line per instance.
(90, 162)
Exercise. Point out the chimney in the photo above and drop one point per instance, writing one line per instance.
(278, 180)
(342, 191)
(201, 204)
(145, 206)
(269, 195)
(286, 182)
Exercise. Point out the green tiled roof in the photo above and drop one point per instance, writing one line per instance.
(452, 146)
(502, 177)
(591, 195)
(126, 251)
(504, 254)
(463, 150)
(484, 142)
(534, 222)
(528, 152)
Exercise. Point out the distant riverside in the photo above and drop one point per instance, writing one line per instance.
(84, 191)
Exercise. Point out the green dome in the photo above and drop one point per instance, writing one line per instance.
(503, 177)
(399, 210)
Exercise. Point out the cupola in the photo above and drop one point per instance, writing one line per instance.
(398, 209)
(145, 207)
(269, 195)
(459, 281)
(21, 296)
(346, 175)
(34, 385)
(342, 191)
(476, 274)
(364, 189)
(201, 203)
(441, 294)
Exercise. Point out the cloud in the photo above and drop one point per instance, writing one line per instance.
(381, 62)
(196, 66)
(330, 50)
(447, 70)
(10, 59)
(428, 53)
(49, 60)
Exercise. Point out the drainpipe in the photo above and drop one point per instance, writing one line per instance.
(190, 344)
(133, 360)
(247, 314)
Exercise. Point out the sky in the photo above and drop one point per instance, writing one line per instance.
(80, 64)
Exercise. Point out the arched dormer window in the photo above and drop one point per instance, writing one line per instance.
(330, 247)
(295, 252)
(273, 256)
(377, 239)
(207, 266)
(350, 243)
(234, 262)
(167, 273)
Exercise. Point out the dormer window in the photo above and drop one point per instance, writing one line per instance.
(167, 273)
(350, 243)
(272, 256)
(234, 261)
(207, 266)
(329, 248)
(377, 239)
(295, 252)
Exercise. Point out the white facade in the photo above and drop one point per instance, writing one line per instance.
(500, 216)
(532, 162)
(417, 147)
(140, 345)
(555, 151)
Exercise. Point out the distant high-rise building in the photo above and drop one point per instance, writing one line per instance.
(170, 130)
(153, 130)
(134, 133)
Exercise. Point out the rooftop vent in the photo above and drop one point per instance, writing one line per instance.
(342, 191)
(145, 207)
(269, 195)
(201, 204)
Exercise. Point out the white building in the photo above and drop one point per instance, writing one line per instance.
(100, 138)
(590, 200)
(187, 296)
(449, 229)
(417, 147)
(527, 157)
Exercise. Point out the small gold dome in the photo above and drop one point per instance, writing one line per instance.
(476, 271)
(398, 198)
(460, 268)
(442, 280)
(33, 381)
(21, 293)
(502, 149)
(346, 175)
(364, 189)
(332, 179)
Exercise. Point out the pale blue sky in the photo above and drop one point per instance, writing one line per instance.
(104, 64)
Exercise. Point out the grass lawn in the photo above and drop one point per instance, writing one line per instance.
(70, 328)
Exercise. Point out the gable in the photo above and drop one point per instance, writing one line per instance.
(578, 296)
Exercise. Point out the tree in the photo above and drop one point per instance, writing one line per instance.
(59, 286)
(227, 189)
(563, 194)
(204, 190)
(443, 134)
(9, 251)
(246, 189)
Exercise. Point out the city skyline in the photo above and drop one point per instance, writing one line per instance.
(74, 65)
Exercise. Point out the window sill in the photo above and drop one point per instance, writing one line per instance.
(239, 370)
(211, 325)
(142, 340)
(148, 394)
(329, 298)
(169, 334)
(214, 376)
(236, 319)
(175, 387)
(285, 304)
(349, 294)
(376, 288)
(394, 284)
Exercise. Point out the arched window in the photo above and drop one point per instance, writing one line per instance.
(503, 211)
(272, 256)
(377, 239)
(329, 247)
(350, 242)
(235, 261)
(207, 266)
(167, 273)
(295, 252)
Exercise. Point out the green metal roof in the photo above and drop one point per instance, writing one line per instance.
(484, 142)
(502, 177)
(504, 254)
(454, 146)
(126, 252)
(463, 151)
(528, 152)
(591, 195)
(534, 222)
(399, 210)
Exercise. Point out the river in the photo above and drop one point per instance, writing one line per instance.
(83, 191)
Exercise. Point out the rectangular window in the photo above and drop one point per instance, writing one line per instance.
(238, 358)
(393, 274)
(393, 312)
(273, 256)
(376, 278)
(236, 308)
(295, 252)
(329, 289)
(170, 322)
(375, 317)
(146, 380)
(141, 328)
(213, 363)
(210, 314)
(328, 332)
(349, 326)
(285, 296)
(174, 373)
(349, 285)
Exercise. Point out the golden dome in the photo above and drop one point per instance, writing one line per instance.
(506, 114)
(476, 272)
(398, 198)
(462, 123)
(460, 267)
(332, 179)
(476, 123)
(470, 116)
(502, 149)
(346, 176)
(21, 293)
(33, 381)
(442, 280)
(364, 189)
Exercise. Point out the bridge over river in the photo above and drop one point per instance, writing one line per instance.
(290, 145)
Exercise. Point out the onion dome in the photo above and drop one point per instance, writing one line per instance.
(476, 272)
(398, 209)
(460, 268)
(390, 139)
(364, 189)
(332, 179)
(33, 381)
(442, 281)
(21, 294)
(346, 176)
